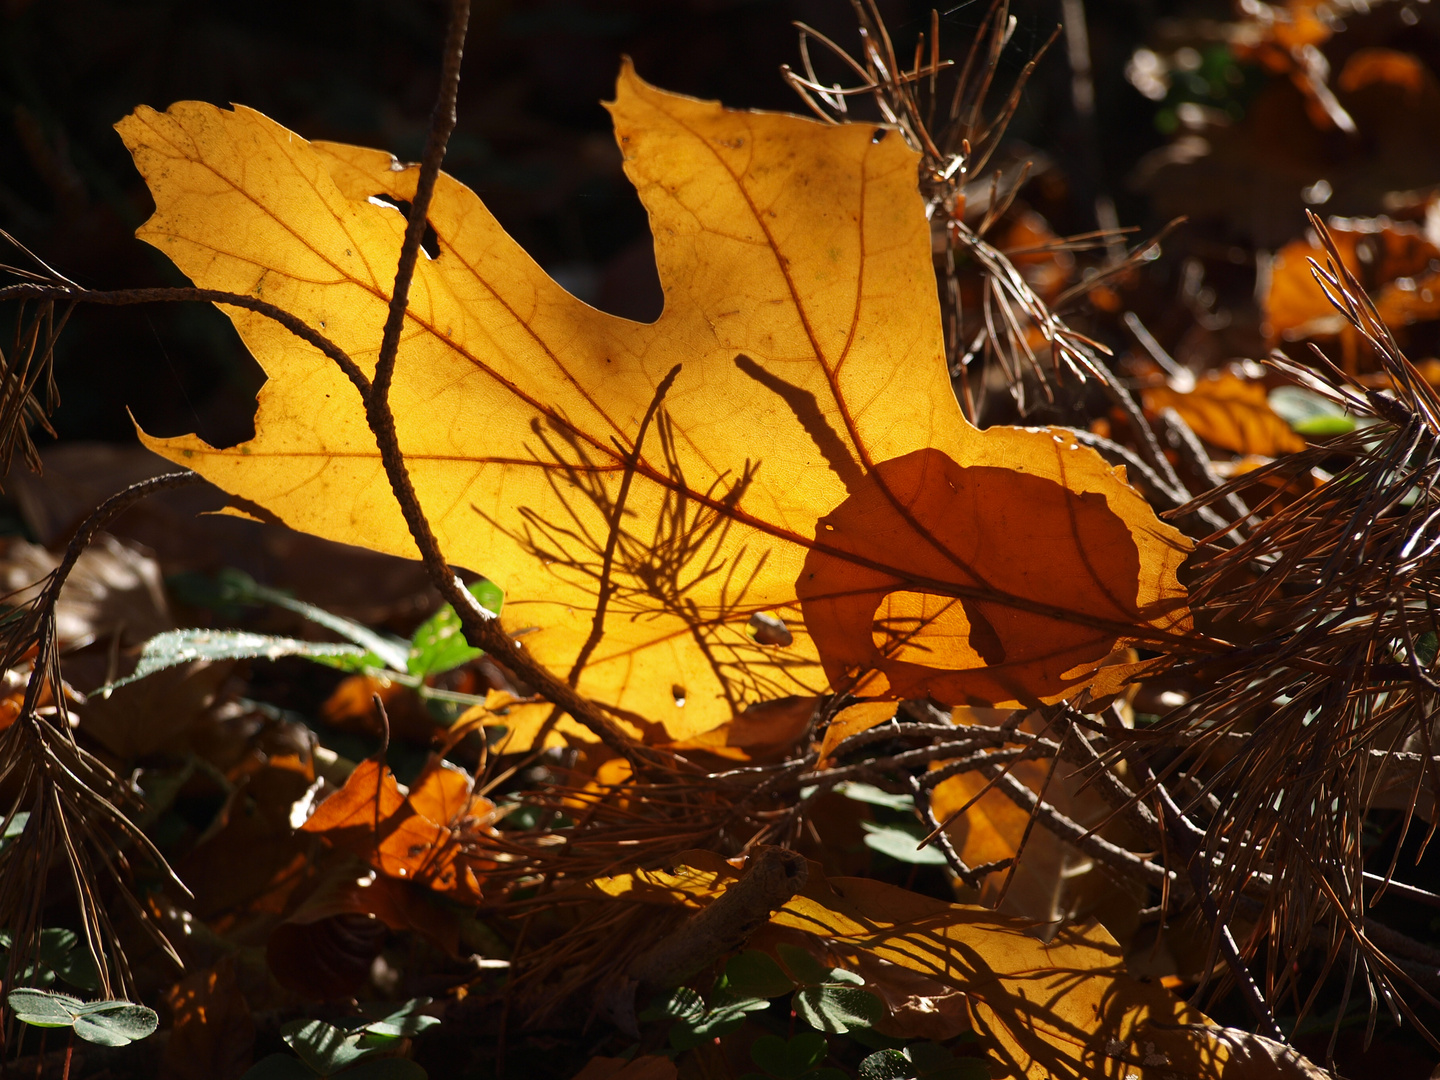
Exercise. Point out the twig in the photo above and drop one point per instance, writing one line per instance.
(479, 625)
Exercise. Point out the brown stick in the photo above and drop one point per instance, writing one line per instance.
(773, 877)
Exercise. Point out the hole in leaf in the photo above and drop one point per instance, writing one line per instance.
(429, 241)
(766, 629)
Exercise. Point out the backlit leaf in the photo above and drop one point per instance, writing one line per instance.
(1230, 413)
(420, 836)
(781, 445)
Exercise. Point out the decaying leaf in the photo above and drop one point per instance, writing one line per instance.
(768, 491)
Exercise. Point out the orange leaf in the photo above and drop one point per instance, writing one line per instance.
(1395, 261)
(852, 721)
(1229, 412)
(369, 798)
(427, 836)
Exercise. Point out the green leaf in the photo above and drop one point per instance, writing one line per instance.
(753, 973)
(241, 587)
(404, 1022)
(44, 1008)
(681, 1003)
(886, 1065)
(58, 951)
(902, 843)
(789, 1059)
(803, 968)
(439, 644)
(934, 1062)
(874, 796)
(837, 1009)
(1425, 648)
(280, 1067)
(175, 647)
(725, 1017)
(13, 828)
(324, 1047)
(115, 1023)
(1309, 413)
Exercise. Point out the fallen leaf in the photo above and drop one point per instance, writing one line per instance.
(1397, 263)
(1231, 413)
(430, 835)
(782, 444)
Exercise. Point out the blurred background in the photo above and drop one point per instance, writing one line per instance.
(1199, 108)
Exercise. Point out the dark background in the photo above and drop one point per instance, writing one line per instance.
(533, 139)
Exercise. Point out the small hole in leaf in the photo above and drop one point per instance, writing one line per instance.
(429, 241)
(766, 629)
(678, 692)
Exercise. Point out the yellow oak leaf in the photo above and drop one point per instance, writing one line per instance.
(768, 491)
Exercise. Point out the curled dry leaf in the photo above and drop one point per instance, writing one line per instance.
(427, 836)
(1231, 413)
(768, 491)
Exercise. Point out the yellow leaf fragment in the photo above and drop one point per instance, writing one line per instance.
(769, 491)
(1229, 412)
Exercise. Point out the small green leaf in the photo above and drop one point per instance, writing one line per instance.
(1425, 648)
(439, 644)
(115, 1023)
(803, 968)
(1309, 413)
(902, 843)
(175, 647)
(753, 973)
(934, 1062)
(43, 1008)
(237, 586)
(13, 828)
(789, 1059)
(404, 1022)
(681, 1003)
(874, 796)
(886, 1065)
(837, 1009)
(324, 1047)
